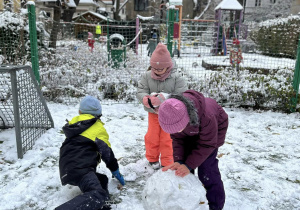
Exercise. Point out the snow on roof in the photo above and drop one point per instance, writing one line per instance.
(30, 2)
(71, 3)
(145, 18)
(229, 5)
(86, 1)
(45, 0)
(107, 2)
(119, 36)
(95, 14)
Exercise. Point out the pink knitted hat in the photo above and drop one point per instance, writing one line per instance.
(161, 57)
(90, 35)
(173, 115)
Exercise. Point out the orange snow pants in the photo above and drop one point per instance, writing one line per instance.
(158, 143)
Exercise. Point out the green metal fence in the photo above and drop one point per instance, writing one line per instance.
(258, 71)
(33, 41)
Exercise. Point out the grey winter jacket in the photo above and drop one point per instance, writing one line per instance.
(175, 83)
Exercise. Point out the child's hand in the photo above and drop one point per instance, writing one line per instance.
(157, 99)
(182, 171)
(145, 101)
(173, 167)
(119, 176)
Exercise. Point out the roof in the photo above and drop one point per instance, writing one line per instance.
(69, 3)
(81, 2)
(229, 5)
(45, 0)
(145, 18)
(86, 1)
(93, 13)
(107, 2)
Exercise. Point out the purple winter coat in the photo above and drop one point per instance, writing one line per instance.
(195, 143)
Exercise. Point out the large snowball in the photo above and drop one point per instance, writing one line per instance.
(165, 191)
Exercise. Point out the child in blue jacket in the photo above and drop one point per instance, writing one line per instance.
(86, 144)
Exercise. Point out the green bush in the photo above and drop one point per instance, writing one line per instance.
(243, 89)
(278, 38)
(14, 46)
(14, 38)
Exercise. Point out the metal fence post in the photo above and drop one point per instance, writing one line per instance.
(16, 113)
(108, 41)
(170, 30)
(33, 39)
(137, 24)
(296, 80)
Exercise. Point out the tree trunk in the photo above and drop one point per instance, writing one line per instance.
(55, 27)
(67, 17)
(68, 13)
(197, 8)
(116, 12)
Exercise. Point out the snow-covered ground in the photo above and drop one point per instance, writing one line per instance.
(259, 162)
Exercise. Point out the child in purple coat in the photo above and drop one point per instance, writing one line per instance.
(198, 127)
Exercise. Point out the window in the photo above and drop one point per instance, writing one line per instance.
(257, 3)
(140, 5)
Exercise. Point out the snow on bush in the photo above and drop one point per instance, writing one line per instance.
(73, 71)
(165, 190)
(245, 89)
(278, 37)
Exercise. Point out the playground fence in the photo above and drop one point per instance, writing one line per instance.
(230, 67)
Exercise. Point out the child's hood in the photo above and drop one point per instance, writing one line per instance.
(191, 109)
(78, 125)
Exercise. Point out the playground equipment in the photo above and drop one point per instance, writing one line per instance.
(22, 106)
(236, 56)
(227, 24)
(152, 44)
(174, 16)
(235, 10)
(116, 47)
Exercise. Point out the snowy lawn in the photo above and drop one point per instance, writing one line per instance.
(259, 162)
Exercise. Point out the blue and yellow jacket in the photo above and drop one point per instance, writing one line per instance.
(86, 143)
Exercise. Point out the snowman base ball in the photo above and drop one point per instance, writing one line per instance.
(165, 191)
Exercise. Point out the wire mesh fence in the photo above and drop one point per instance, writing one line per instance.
(14, 45)
(236, 65)
(22, 106)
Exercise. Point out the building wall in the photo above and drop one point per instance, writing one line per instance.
(16, 6)
(250, 5)
(132, 14)
(295, 9)
(1, 5)
(83, 8)
(187, 9)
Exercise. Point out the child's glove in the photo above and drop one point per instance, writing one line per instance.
(119, 176)
(145, 101)
(158, 98)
